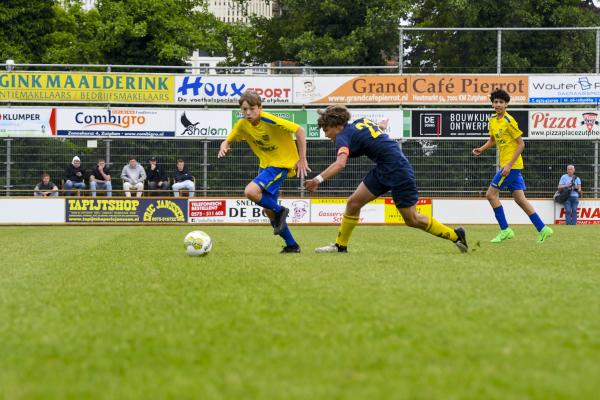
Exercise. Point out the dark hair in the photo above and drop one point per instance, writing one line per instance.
(179, 160)
(131, 158)
(500, 94)
(45, 174)
(251, 97)
(336, 115)
(102, 160)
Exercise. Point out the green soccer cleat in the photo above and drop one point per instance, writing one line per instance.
(504, 234)
(544, 234)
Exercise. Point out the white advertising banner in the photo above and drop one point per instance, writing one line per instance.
(216, 89)
(330, 211)
(564, 124)
(459, 212)
(395, 117)
(299, 210)
(27, 122)
(564, 89)
(203, 124)
(236, 211)
(41, 210)
(314, 89)
(394, 129)
(588, 213)
(116, 122)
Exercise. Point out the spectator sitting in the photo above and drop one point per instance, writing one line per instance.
(157, 176)
(100, 178)
(45, 187)
(133, 176)
(74, 176)
(183, 179)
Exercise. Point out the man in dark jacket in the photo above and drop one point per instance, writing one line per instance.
(156, 176)
(183, 179)
(101, 179)
(74, 176)
(45, 188)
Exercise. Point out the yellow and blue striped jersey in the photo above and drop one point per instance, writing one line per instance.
(506, 131)
(271, 140)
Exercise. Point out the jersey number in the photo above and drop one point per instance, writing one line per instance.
(371, 126)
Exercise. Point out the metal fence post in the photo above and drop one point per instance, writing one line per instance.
(107, 152)
(205, 168)
(596, 162)
(7, 186)
(302, 190)
(597, 51)
(401, 51)
(499, 50)
(497, 160)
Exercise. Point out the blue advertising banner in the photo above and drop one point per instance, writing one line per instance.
(120, 211)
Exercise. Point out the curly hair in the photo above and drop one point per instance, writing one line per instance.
(500, 94)
(336, 115)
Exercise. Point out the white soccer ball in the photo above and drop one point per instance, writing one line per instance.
(197, 243)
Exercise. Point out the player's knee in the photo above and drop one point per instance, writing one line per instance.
(252, 194)
(352, 206)
(490, 196)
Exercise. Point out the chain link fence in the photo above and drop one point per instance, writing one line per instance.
(444, 168)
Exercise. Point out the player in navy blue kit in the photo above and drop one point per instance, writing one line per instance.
(392, 172)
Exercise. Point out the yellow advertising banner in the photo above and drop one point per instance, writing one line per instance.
(86, 87)
(423, 89)
(378, 211)
(392, 215)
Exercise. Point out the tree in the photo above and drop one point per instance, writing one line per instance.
(327, 32)
(24, 27)
(150, 32)
(564, 51)
(74, 36)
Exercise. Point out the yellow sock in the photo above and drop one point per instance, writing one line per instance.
(348, 224)
(438, 229)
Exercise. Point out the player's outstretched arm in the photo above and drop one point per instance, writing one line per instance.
(335, 168)
(302, 164)
(480, 150)
(223, 149)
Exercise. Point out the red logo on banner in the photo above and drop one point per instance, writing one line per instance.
(207, 208)
(589, 120)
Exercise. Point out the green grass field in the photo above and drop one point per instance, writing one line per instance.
(123, 313)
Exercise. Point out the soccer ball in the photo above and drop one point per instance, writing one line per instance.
(197, 243)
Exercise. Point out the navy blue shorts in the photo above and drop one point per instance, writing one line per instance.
(513, 181)
(402, 184)
(270, 179)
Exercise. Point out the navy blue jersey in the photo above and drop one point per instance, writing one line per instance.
(392, 171)
(363, 137)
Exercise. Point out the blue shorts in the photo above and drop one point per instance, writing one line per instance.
(513, 181)
(270, 179)
(402, 184)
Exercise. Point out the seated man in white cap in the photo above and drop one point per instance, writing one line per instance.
(74, 176)
(133, 176)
